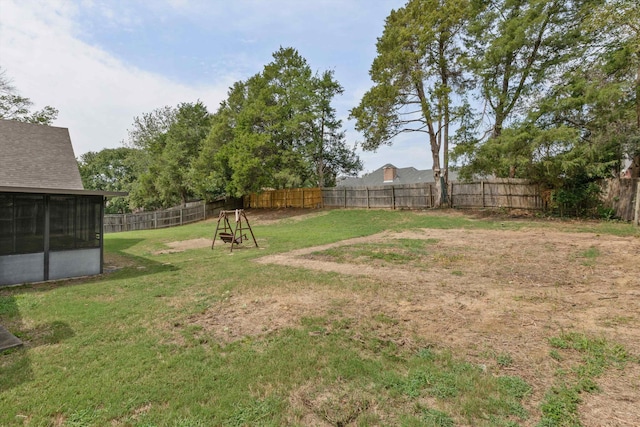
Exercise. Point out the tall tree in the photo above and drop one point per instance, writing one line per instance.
(270, 132)
(327, 150)
(148, 137)
(110, 169)
(148, 130)
(16, 107)
(182, 146)
(619, 21)
(416, 71)
(169, 140)
(562, 101)
(517, 48)
(598, 98)
(211, 170)
(286, 91)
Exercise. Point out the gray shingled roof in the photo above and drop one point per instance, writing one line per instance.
(37, 156)
(408, 175)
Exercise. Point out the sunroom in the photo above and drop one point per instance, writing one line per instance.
(50, 227)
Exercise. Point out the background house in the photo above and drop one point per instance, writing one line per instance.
(391, 175)
(50, 227)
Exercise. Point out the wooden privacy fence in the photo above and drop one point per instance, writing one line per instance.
(499, 193)
(193, 212)
(623, 196)
(405, 196)
(504, 193)
(287, 198)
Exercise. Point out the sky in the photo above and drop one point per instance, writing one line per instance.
(103, 62)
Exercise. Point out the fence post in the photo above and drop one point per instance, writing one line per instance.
(124, 222)
(368, 205)
(451, 194)
(393, 197)
(204, 209)
(345, 197)
(636, 218)
(180, 216)
(155, 219)
(482, 190)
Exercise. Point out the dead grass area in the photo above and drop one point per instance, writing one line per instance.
(337, 404)
(274, 216)
(617, 403)
(183, 245)
(479, 293)
(113, 261)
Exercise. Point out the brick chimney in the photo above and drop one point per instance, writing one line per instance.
(390, 173)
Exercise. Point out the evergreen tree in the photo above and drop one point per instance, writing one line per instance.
(277, 130)
(518, 49)
(416, 71)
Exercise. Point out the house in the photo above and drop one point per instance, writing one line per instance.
(50, 227)
(391, 175)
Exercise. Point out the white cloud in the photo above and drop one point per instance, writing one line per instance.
(97, 94)
(45, 46)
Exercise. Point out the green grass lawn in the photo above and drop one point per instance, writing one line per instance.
(122, 348)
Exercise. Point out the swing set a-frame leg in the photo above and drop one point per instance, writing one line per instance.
(236, 236)
(250, 230)
(226, 226)
(217, 227)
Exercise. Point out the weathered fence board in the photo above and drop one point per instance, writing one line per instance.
(504, 193)
(636, 215)
(414, 196)
(621, 195)
(287, 198)
(193, 212)
(512, 194)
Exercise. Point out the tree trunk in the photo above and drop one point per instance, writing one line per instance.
(638, 93)
(635, 164)
(321, 156)
(437, 172)
(433, 140)
(445, 72)
(446, 144)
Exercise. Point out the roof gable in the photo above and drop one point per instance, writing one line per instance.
(408, 175)
(37, 156)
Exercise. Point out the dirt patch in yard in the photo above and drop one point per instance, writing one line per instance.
(183, 245)
(480, 293)
(113, 261)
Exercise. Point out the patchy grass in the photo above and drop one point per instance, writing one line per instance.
(460, 388)
(203, 337)
(589, 256)
(408, 252)
(560, 406)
